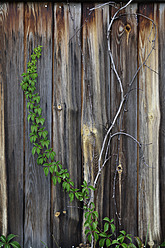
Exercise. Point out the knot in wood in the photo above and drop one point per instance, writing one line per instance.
(151, 243)
(57, 214)
(127, 28)
(59, 107)
(120, 169)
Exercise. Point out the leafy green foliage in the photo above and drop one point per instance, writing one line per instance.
(8, 242)
(46, 159)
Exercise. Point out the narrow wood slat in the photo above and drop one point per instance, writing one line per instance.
(38, 31)
(95, 101)
(149, 123)
(102, 1)
(12, 50)
(67, 120)
(123, 148)
(3, 175)
(161, 37)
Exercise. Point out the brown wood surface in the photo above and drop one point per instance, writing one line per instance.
(67, 120)
(149, 123)
(12, 64)
(97, 1)
(79, 97)
(161, 37)
(95, 100)
(38, 31)
(124, 149)
(3, 174)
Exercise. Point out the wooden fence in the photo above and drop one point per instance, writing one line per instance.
(80, 95)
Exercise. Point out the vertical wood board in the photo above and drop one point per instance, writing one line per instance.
(95, 100)
(161, 37)
(3, 175)
(149, 123)
(38, 31)
(67, 120)
(123, 148)
(13, 47)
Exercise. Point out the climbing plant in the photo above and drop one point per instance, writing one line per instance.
(46, 159)
(45, 155)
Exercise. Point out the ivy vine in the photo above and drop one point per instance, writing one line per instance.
(46, 158)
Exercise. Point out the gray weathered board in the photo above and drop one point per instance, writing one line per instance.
(80, 95)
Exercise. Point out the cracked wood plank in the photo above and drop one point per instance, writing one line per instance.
(149, 127)
(95, 101)
(124, 149)
(66, 216)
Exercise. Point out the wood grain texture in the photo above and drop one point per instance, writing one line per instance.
(12, 52)
(95, 101)
(124, 149)
(3, 174)
(99, 1)
(67, 119)
(161, 37)
(38, 31)
(149, 123)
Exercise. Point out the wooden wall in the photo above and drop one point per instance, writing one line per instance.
(79, 97)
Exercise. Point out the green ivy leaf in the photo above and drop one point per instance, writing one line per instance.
(113, 228)
(52, 155)
(106, 227)
(90, 237)
(96, 236)
(101, 242)
(3, 238)
(67, 187)
(71, 196)
(124, 245)
(96, 214)
(103, 235)
(7, 246)
(94, 225)
(106, 219)
(34, 150)
(51, 169)
(163, 244)
(108, 242)
(10, 237)
(59, 180)
(15, 244)
(87, 231)
(33, 76)
(115, 242)
(54, 179)
(91, 187)
(46, 171)
(123, 232)
(129, 237)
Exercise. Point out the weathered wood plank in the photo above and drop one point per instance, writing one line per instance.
(161, 35)
(3, 175)
(67, 119)
(12, 64)
(149, 122)
(99, 1)
(124, 149)
(95, 100)
(38, 31)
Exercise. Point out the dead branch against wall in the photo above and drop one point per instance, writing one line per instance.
(80, 96)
